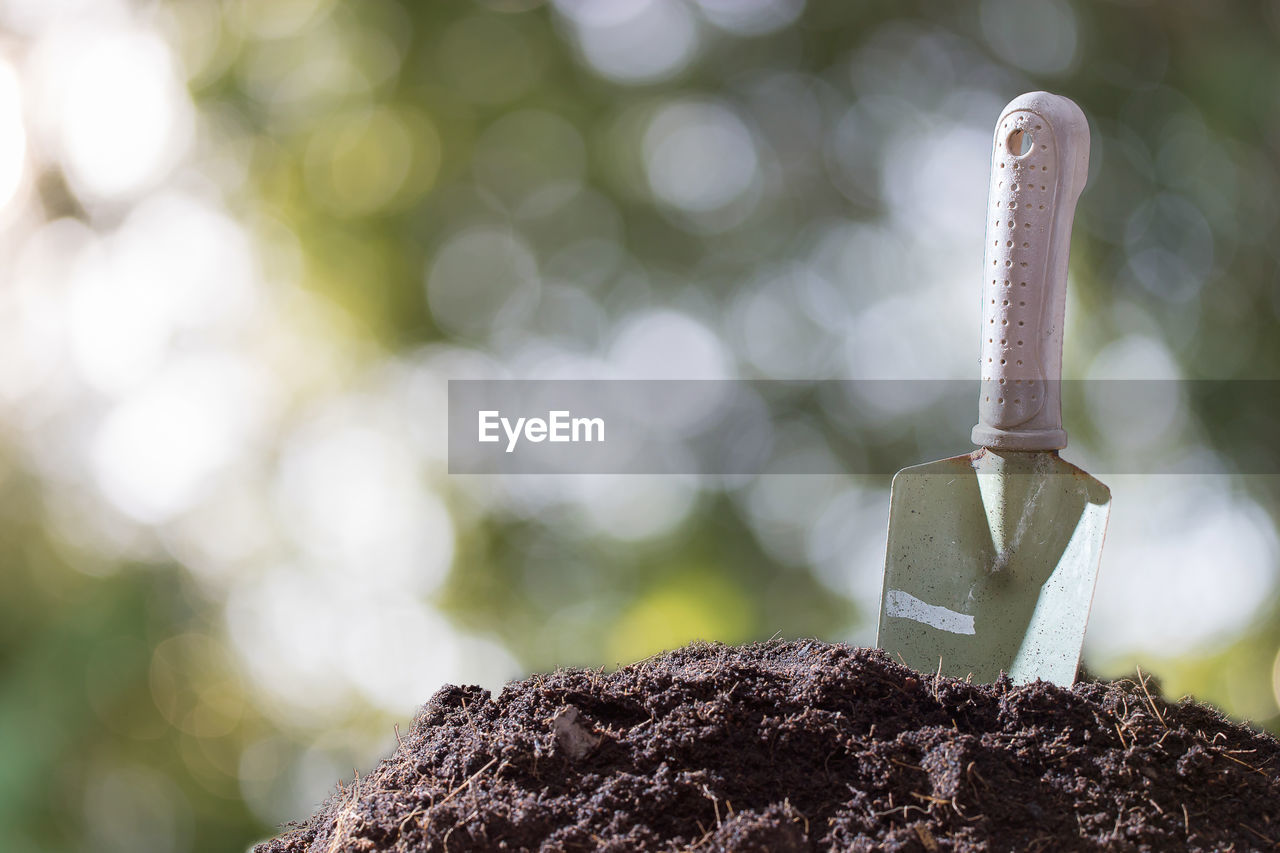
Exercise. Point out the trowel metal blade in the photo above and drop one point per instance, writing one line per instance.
(991, 565)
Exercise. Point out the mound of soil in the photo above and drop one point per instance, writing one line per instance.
(799, 746)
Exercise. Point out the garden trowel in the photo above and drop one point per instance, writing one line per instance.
(993, 556)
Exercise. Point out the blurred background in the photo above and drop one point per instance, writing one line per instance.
(244, 244)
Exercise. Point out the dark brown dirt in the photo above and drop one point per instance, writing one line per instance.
(799, 746)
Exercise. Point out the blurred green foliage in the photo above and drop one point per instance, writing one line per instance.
(373, 131)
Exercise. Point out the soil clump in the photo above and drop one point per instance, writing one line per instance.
(805, 746)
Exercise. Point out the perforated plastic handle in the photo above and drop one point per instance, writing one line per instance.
(1038, 168)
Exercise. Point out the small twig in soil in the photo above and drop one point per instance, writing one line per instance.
(466, 712)
(1143, 681)
(445, 841)
(1265, 838)
(959, 811)
(340, 824)
(786, 802)
(1242, 764)
(970, 771)
(410, 816)
(706, 792)
(467, 782)
(904, 809)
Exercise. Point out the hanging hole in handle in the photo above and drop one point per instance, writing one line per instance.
(1019, 143)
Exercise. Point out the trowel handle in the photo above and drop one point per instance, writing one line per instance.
(1039, 164)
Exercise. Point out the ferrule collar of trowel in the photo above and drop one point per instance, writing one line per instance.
(1039, 164)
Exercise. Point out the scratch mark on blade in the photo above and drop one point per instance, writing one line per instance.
(906, 606)
(1024, 520)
